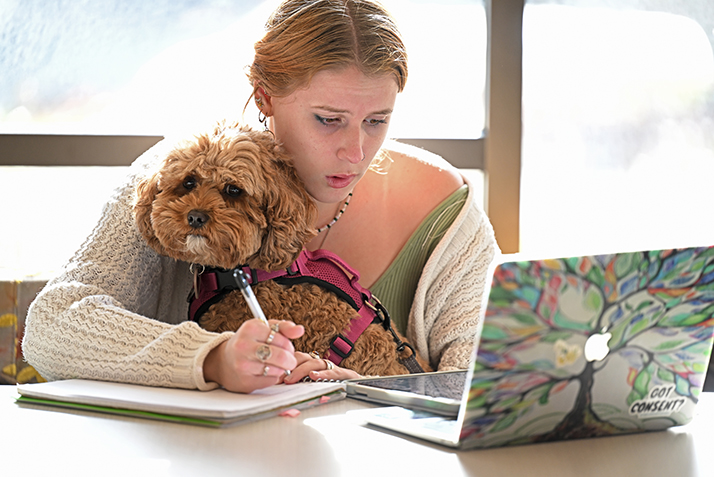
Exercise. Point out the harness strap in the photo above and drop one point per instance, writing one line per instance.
(320, 267)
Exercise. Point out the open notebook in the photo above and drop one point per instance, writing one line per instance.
(215, 408)
(581, 347)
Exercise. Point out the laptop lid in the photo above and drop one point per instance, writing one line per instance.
(586, 346)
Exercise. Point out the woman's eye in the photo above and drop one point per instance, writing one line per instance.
(232, 191)
(327, 121)
(376, 122)
(189, 183)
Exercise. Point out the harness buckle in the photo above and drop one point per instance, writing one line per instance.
(345, 344)
(293, 269)
(380, 312)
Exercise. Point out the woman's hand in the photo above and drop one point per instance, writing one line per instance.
(317, 368)
(255, 357)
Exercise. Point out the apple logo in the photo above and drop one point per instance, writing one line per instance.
(596, 347)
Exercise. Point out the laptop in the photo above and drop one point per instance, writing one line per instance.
(578, 347)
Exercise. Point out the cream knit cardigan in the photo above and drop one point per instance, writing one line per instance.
(117, 311)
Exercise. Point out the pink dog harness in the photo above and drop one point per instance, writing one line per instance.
(321, 268)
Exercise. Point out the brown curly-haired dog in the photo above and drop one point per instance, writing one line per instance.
(231, 198)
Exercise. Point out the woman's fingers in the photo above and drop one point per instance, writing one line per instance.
(304, 369)
(256, 356)
(288, 329)
(314, 367)
(278, 333)
(337, 374)
(272, 355)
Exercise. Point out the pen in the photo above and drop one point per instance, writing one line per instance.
(242, 282)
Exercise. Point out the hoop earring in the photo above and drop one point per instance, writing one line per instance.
(263, 120)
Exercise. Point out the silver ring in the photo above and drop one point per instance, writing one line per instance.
(287, 373)
(329, 364)
(314, 355)
(275, 328)
(263, 352)
(266, 370)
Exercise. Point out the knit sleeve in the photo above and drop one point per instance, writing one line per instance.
(447, 305)
(117, 310)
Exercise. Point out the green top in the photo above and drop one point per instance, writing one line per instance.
(396, 287)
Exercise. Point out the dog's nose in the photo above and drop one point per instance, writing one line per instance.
(197, 219)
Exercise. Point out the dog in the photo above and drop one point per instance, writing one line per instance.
(230, 198)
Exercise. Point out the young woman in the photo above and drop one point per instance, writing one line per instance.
(325, 76)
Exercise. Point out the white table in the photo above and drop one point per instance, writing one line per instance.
(322, 441)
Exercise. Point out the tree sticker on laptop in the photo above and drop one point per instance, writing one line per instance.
(653, 312)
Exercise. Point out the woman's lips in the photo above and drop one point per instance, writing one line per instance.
(340, 181)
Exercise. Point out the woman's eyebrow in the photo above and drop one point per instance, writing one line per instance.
(344, 111)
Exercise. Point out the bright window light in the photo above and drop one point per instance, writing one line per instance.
(618, 121)
(154, 68)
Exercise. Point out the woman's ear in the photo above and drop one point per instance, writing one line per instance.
(263, 100)
(291, 215)
(146, 192)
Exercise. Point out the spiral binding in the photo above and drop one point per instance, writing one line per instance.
(308, 379)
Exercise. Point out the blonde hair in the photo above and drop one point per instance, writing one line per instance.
(304, 37)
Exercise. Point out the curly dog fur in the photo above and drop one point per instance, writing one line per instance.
(232, 197)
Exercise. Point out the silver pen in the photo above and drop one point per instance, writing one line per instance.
(242, 281)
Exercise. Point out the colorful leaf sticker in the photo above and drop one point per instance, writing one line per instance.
(505, 422)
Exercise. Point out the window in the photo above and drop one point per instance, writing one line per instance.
(49, 212)
(618, 125)
(149, 68)
(129, 67)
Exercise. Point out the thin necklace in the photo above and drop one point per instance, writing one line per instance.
(337, 217)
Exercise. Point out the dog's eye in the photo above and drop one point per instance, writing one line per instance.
(232, 191)
(189, 183)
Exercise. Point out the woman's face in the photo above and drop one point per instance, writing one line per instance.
(334, 128)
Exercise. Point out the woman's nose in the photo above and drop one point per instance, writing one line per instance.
(351, 149)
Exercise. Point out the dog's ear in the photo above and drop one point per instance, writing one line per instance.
(291, 215)
(146, 192)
